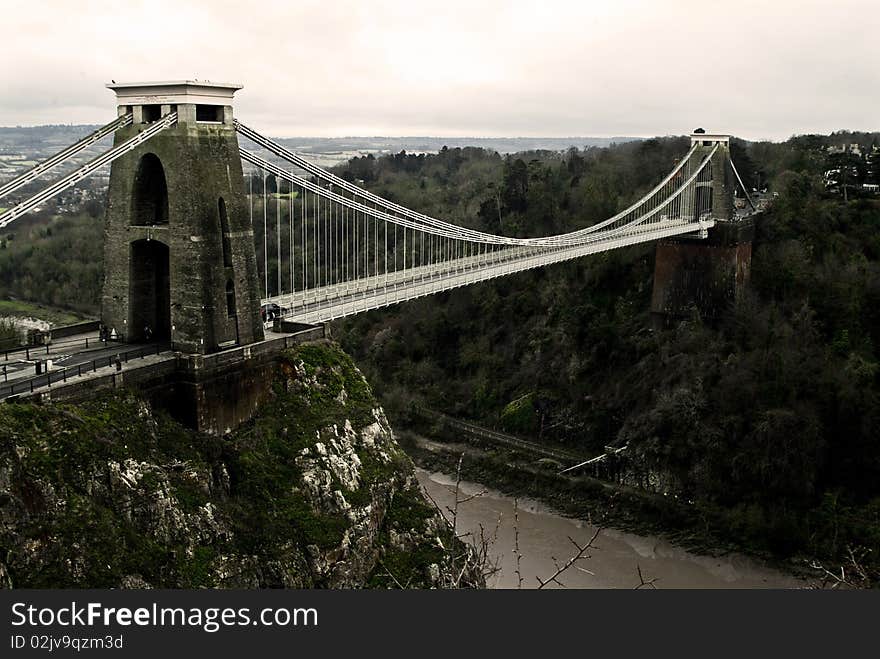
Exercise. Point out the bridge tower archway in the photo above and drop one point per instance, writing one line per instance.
(149, 291)
(150, 195)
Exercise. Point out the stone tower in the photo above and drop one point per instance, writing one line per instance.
(706, 272)
(179, 253)
(722, 174)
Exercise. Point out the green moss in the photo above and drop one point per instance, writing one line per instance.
(519, 415)
(406, 566)
(195, 570)
(92, 544)
(188, 494)
(334, 372)
(269, 510)
(409, 511)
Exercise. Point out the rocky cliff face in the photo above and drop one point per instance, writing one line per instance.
(314, 492)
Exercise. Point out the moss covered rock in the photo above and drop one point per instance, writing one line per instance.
(313, 492)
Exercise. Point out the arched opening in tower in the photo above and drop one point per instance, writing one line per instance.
(149, 292)
(150, 195)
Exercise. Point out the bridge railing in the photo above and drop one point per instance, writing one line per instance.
(53, 346)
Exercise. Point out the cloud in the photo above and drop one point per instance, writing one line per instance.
(400, 67)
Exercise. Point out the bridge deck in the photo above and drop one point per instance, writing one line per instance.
(330, 302)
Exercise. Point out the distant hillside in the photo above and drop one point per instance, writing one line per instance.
(23, 137)
(15, 139)
(427, 144)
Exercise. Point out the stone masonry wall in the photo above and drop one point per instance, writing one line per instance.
(706, 274)
(201, 164)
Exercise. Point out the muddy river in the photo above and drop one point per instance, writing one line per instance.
(615, 561)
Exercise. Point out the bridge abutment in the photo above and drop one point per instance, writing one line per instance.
(216, 397)
(213, 393)
(704, 273)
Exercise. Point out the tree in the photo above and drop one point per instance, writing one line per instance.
(515, 185)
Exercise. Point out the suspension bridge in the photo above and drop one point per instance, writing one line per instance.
(196, 242)
(339, 249)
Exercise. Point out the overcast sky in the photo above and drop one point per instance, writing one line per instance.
(765, 69)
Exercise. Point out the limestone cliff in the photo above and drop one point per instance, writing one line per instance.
(313, 492)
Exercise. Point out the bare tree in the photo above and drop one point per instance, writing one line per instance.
(393, 578)
(645, 583)
(516, 551)
(466, 553)
(457, 501)
(579, 555)
(851, 575)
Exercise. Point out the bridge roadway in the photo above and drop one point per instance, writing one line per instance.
(20, 362)
(77, 356)
(74, 358)
(326, 303)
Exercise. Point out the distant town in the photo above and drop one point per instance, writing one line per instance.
(853, 168)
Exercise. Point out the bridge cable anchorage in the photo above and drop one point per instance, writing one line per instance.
(741, 185)
(86, 170)
(349, 265)
(392, 208)
(62, 156)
